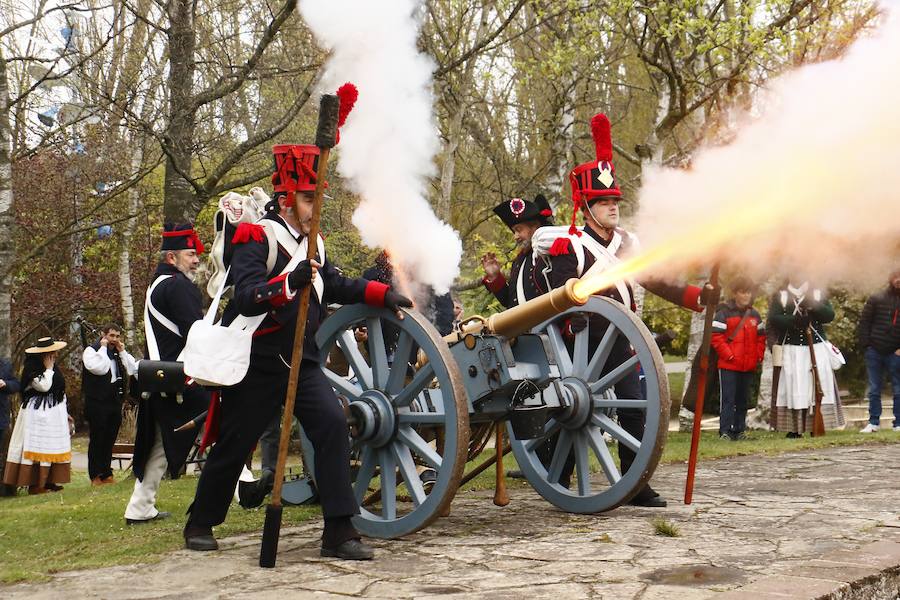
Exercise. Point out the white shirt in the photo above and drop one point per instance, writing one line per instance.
(99, 362)
(43, 382)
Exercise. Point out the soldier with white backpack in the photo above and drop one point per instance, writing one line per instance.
(571, 252)
(268, 267)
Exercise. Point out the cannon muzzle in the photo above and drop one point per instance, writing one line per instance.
(525, 317)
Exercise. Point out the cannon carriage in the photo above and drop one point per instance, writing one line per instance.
(415, 401)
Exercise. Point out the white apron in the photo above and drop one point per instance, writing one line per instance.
(796, 389)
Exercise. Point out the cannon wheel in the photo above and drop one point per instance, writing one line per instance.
(398, 409)
(583, 428)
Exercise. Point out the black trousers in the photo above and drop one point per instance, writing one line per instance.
(104, 419)
(247, 409)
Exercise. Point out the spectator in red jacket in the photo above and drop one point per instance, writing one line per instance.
(739, 339)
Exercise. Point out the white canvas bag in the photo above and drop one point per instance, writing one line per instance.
(219, 356)
(214, 355)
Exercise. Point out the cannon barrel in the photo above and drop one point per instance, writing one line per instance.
(524, 317)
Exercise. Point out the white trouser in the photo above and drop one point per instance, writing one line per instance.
(143, 499)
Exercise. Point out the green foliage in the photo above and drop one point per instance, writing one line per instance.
(660, 315)
(842, 332)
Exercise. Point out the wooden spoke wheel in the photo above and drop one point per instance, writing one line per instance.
(586, 432)
(404, 419)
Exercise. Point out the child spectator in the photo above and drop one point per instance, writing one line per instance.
(739, 339)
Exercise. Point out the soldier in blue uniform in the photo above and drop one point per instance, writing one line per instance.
(172, 305)
(266, 280)
(523, 218)
(596, 194)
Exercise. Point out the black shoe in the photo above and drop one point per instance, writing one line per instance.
(200, 539)
(159, 517)
(648, 497)
(428, 477)
(515, 474)
(652, 502)
(350, 550)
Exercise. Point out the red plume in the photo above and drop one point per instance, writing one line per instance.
(600, 130)
(348, 95)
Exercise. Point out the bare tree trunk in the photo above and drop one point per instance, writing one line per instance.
(7, 217)
(448, 166)
(758, 418)
(125, 291)
(178, 191)
(459, 106)
(563, 145)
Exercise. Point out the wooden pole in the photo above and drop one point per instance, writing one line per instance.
(325, 137)
(501, 497)
(701, 387)
(818, 419)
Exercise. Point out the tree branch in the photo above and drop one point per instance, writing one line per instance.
(479, 46)
(223, 86)
(259, 137)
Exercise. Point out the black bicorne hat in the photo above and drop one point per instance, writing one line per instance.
(518, 210)
(180, 237)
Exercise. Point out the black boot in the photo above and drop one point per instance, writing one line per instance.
(199, 538)
(647, 497)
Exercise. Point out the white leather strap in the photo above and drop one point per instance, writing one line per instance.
(149, 309)
(608, 257)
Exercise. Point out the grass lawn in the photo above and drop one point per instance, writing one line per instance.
(82, 527)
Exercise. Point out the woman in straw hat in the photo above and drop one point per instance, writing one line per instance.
(40, 450)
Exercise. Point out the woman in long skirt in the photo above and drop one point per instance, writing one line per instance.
(40, 449)
(791, 310)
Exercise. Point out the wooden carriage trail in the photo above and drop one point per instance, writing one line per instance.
(817, 524)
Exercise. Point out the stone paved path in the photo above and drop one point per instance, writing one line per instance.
(794, 516)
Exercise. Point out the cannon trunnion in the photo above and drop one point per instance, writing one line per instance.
(411, 398)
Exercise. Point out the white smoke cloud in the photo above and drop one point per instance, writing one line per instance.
(390, 139)
(812, 184)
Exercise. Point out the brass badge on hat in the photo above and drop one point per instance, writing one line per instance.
(605, 176)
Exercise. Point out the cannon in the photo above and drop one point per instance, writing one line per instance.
(412, 402)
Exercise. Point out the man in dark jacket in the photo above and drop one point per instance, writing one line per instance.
(879, 336)
(171, 307)
(9, 385)
(107, 366)
(523, 218)
(270, 293)
(739, 338)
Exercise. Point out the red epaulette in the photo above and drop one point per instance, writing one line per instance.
(248, 231)
(560, 246)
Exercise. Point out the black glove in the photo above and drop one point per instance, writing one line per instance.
(801, 321)
(301, 275)
(394, 301)
(710, 294)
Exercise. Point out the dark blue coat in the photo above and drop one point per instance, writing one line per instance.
(11, 387)
(258, 291)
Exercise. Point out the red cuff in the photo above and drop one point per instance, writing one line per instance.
(496, 285)
(691, 298)
(282, 298)
(375, 292)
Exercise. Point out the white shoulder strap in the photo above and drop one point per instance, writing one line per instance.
(520, 284)
(149, 309)
(298, 255)
(604, 259)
